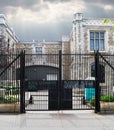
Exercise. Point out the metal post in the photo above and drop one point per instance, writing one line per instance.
(22, 82)
(60, 80)
(97, 87)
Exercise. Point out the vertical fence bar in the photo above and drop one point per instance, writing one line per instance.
(60, 80)
(97, 87)
(22, 81)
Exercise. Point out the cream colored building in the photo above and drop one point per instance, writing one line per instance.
(87, 35)
(8, 39)
(39, 47)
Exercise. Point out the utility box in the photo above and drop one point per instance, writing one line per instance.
(89, 93)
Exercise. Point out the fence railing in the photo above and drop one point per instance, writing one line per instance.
(10, 86)
(104, 82)
(15, 69)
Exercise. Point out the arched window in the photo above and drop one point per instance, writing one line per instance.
(102, 72)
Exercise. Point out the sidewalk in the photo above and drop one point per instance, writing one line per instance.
(66, 120)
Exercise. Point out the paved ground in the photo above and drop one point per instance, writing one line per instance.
(67, 120)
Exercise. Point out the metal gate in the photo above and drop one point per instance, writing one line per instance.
(46, 95)
(55, 81)
(59, 82)
(11, 87)
(104, 82)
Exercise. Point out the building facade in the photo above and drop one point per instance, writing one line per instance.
(87, 35)
(39, 47)
(91, 34)
(8, 39)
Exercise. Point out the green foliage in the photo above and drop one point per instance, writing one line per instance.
(92, 102)
(9, 99)
(104, 98)
(11, 90)
(11, 94)
(15, 90)
(107, 98)
(108, 21)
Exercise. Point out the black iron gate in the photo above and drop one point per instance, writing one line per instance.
(104, 74)
(55, 82)
(11, 87)
(46, 95)
(52, 82)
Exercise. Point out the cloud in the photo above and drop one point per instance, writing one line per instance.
(6, 4)
(99, 9)
(44, 12)
(100, 1)
(55, 1)
(16, 3)
(108, 7)
(49, 31)
(45, 20)
(50, 18)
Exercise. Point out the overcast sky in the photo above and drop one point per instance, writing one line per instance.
(50, 19)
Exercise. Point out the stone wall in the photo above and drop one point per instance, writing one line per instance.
(66, 45)
(109, 37)
(24, 46)
(8, 38)
(52, 48)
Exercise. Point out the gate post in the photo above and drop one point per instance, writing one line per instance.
(97, 87)
(60, 80)
(22, 82)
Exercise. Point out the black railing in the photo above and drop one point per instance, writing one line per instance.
(22, 82)
(62, 70)
(104, 81)
(57, 81)
(10, 86)
(97, 83)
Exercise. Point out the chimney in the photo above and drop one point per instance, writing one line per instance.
(78, 17)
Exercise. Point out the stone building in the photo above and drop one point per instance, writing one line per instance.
(42, 57)
(39, 47)
(91, 34)
(87, 35)
(8, 39)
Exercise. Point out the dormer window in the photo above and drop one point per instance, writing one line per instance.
(38, 50)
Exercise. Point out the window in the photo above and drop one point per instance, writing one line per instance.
(102, 72)
(38, 50)
(96, 41)
(51, 76)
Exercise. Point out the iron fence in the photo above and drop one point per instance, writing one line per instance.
(10, 86)
(56, 81)
(106, 82)
(63, 70)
